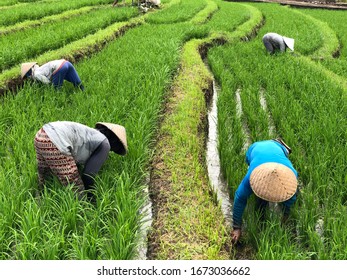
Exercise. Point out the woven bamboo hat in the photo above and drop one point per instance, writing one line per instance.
(25, 67)
(289, 42)
(273, 182)
(119, 132)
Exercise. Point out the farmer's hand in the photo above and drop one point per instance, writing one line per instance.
(235, 235)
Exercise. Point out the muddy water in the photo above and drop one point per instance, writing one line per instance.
(213, 162)
(146, 223)
(272, 128)
(319, 228)
(239, 113)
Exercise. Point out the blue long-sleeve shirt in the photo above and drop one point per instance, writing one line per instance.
(257, 154)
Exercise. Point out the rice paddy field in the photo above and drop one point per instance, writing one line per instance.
(153, 73)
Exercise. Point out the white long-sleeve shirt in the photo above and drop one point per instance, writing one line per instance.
(44, 73)
(74, 139)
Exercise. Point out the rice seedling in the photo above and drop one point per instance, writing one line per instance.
(36, 10)
(17, 47)
(330, 43)
(135, 102)
(88, 45)
(204, 14)
(47, 19)
(128, 81)
(302, 119)
(178, 11)
(229, 16)
(336, 21)
(293, 25)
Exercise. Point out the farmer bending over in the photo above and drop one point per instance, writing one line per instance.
(54, 72)
(271, 177)
(61, 145)
(154, 3)
(274, 41)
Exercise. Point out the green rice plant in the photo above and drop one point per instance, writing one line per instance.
(7, 2)
(127, 90)
(249, 27)
(127, 82)
(289, 23)
(4, 4)
(11, 2)
(205, 14)
(299, 96)
(36, 10)
(87, 45)
(182, 140)
(330, 41)
(334, 234)
(229, 16)
(336, 21)
(178, 11)
(53, 18)
(18, 47)
(185, 91)
(231, 141)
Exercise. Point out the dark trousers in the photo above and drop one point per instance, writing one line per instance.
(66, 72)
(269, 47)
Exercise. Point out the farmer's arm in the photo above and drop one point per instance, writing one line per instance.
(249, 153)
(41, 78)
(240, 201)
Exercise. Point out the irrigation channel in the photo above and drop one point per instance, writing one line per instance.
(213, 162)
(146, 223)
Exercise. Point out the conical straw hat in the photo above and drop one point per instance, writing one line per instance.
(120, 133)
(289, 42)
(273, 182)
(25, 67)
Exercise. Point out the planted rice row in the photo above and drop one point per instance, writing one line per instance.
(337, 21)
(13, 2)
(48, 19)
(198, 216)
(300, 100)
(129, 89)
(23, 45)
(228, 16)
(178, 11)
(36, 10)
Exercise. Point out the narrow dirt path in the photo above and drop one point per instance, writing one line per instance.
(188, 224)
